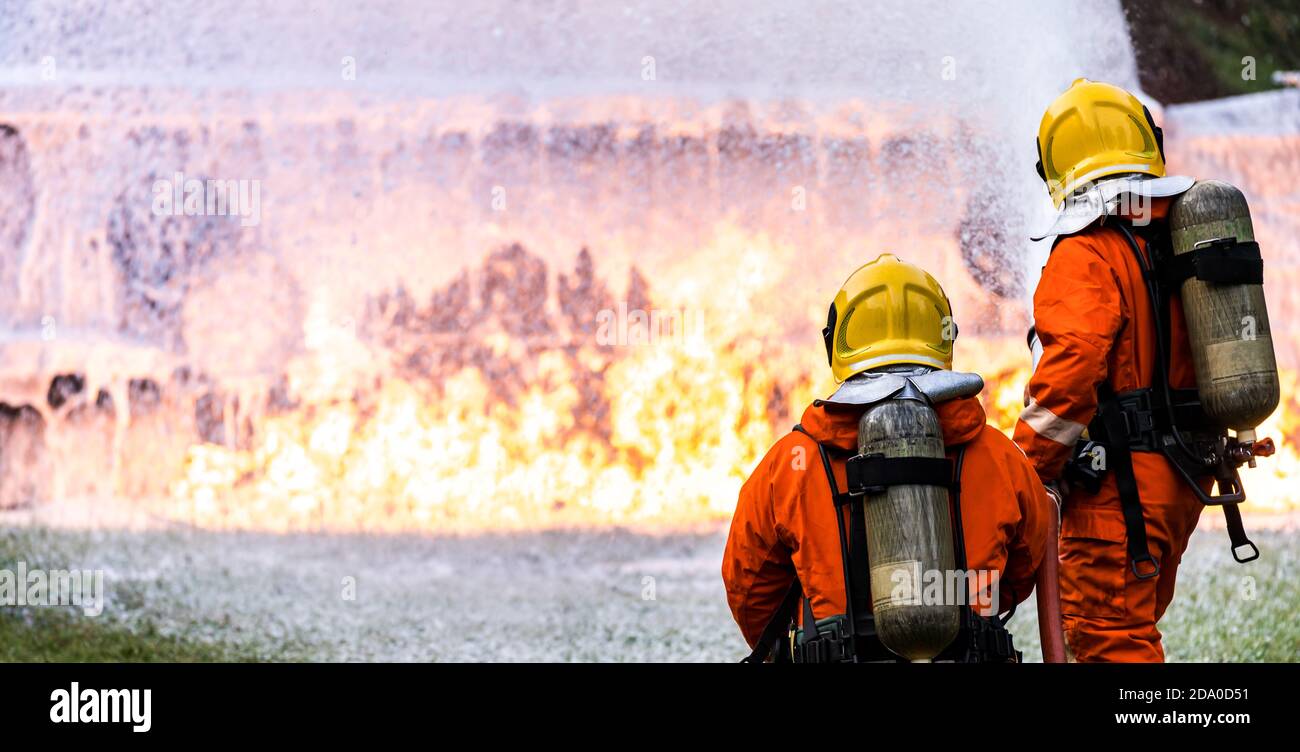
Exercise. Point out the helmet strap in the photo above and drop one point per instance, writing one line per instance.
(828, 335)
(1157, 131)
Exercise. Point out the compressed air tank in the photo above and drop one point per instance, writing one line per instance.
(1227, 323)
(909, 534)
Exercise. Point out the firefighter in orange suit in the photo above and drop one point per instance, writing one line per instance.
(1102, 157)
(786, 562)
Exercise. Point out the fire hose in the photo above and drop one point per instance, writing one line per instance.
(1048, 589)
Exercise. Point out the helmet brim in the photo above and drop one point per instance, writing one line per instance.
(1100, 198)
(939, 386)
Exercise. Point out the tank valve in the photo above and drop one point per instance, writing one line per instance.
(1261, 448)
(1239, 453)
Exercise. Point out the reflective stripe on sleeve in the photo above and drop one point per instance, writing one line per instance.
(1048, 425)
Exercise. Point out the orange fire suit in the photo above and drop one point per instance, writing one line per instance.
(1096, 324)
(784, 524)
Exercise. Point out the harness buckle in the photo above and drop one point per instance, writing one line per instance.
(1147, 558)
(1254, 552)
(855, 475)
(833, 645)
(815, 651)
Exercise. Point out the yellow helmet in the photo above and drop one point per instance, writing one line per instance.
(888, 312)
(1094, 130)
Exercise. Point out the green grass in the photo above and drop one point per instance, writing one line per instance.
(1225, 611)
(65, 635)
(36, 635)
(1222, 611)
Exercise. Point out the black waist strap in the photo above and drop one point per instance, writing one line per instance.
(980, 640)
(1145, 420)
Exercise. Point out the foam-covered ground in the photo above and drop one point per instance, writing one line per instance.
(552, 596)
(538, 597)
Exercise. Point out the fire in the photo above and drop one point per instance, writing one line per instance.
(656, 421)
(500, 406)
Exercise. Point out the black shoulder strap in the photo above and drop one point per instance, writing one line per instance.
(1112, 416)
(860, 568)
(958, 534)
(1120, 458)
(853, 553)
(779, 624)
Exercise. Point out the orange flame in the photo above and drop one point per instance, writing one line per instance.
(680, 419)
(693, 400)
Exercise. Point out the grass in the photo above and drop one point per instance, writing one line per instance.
(1225, 611)
(64, 635)
(40, 635)
(1222, 611)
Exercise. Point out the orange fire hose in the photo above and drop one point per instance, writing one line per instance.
(1048, 587)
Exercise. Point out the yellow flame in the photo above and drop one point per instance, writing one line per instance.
(689, 416)
(690, 412)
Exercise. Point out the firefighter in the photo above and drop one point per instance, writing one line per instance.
(797, 556)
(1114, 370)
